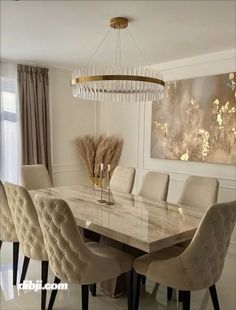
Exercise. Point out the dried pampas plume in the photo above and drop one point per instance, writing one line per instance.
(94, 151)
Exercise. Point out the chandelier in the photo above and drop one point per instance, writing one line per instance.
(117, 83)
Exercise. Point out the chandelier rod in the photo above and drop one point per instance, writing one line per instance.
(118, 49)
(98, 47)
(139, 48)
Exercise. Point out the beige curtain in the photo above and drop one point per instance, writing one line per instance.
(34, 110)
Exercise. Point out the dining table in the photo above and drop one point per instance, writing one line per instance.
(132, 220)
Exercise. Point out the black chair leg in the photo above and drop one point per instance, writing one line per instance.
(53, 294)
(15, 260)
(186, 299)
(169, 293)
(93, 289)
(85, 296)
(136, 289)
(143, 279)
(44, 281)
(0, 244)
(129, 283)
(214, 297)
(24, 269)
(180, 296)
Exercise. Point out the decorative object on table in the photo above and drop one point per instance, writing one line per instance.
(94, 151)
(109, 202)
(117, 83)
(101, 187)
(196, 120)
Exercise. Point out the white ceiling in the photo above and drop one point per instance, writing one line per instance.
(66, 33)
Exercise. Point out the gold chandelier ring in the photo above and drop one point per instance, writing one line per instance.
(109, 77)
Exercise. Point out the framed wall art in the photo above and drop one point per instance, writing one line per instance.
(196, 120)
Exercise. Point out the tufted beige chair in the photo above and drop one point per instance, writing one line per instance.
(197, 267)
(122, 180)
(7, 230)
(199, 192)
(155, 186)
(28, 231)
(35, 177)
(70, 258)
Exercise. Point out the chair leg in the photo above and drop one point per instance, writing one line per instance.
(180, 296)
(129, 283)
(53, 294)
(0, 244)
(44, 281)
(143, 280)
(186, 295)
(93, 289)
(15, 260)
(169, 293)
(85, 296)
(24, 269)
(214, 297)
(136, 289)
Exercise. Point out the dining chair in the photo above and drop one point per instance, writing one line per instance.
(28, 231)
(122, 180)
(199, 192)
(155, 186)
(197, 267)
(71, 259)
(35, 177)
(7, 230)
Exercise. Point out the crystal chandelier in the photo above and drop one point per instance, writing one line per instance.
(117, 83)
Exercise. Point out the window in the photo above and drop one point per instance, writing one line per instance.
(10, 130)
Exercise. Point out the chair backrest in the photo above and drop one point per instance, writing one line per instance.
(204, 258)
(122, 180)
(26, 222)
(35, 177)
(7, 227)
(199, 192)
(67, 252)
(155, 186)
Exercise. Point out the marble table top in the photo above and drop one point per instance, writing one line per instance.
(133, 220)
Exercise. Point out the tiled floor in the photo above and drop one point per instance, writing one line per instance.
(152, 297)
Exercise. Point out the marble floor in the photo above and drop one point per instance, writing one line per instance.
(152, 296)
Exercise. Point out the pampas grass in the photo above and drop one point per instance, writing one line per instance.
(93, 152)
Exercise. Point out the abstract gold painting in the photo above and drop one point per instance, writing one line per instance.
(196, 120)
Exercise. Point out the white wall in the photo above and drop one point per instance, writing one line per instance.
(133, 122)
(70, 117)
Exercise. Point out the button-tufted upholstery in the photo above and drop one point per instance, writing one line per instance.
(200, 265)
(7, 227)
(35, 177)
(199, 192)
(26, 222)
(7, 230)
(155, 186)
(122, 180)
(69, 257)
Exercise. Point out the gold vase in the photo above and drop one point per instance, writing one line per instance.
(97, 182)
